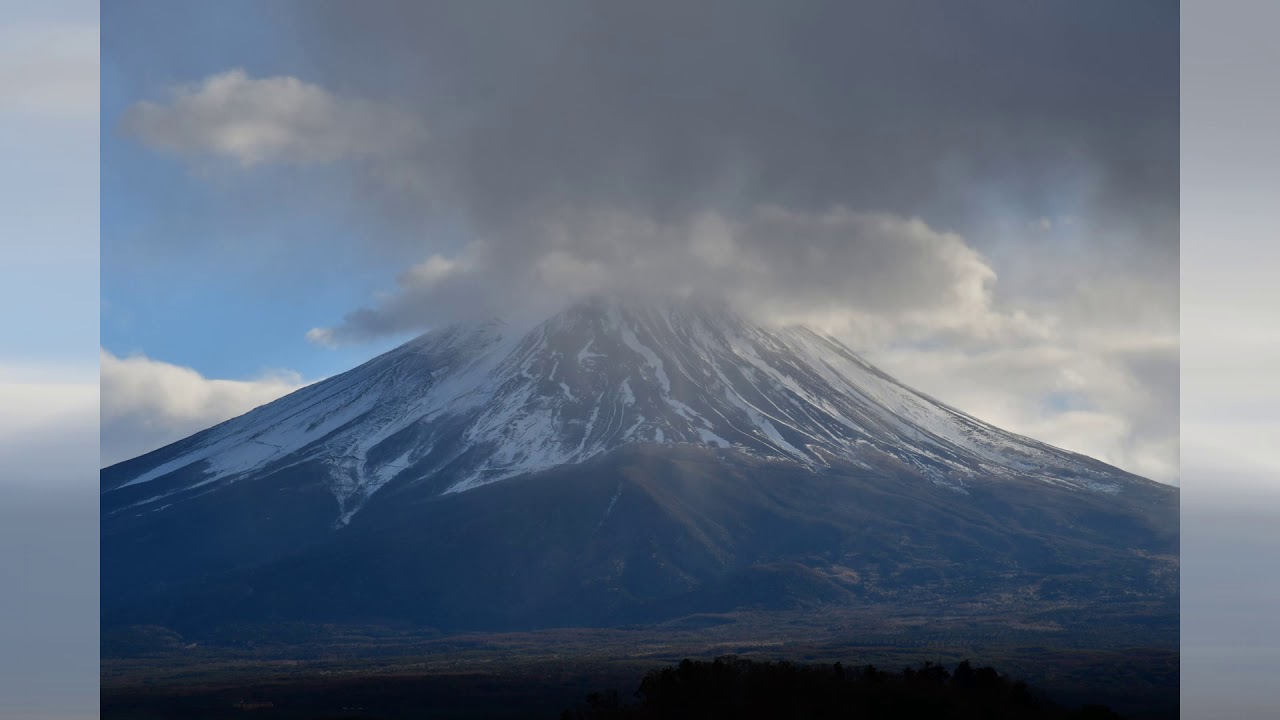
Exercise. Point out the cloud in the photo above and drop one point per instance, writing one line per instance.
(271, 120)
(1112, 397)
(147, 403)
(872, 268)
(664, 108)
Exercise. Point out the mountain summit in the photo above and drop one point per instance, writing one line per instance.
(675, 426)
(473, 404)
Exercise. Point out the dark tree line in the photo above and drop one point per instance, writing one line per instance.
(741, 689)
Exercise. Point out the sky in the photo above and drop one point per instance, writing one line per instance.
(982, 198)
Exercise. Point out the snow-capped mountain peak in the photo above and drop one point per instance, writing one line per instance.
(473, 404)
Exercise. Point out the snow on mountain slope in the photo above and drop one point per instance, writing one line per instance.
(474, 404)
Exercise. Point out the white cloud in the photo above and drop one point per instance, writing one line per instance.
(1092, 394)
(434, 270)
(435, 281)
(881, 272)
(323, 337)
(271, 120)
(147, 403)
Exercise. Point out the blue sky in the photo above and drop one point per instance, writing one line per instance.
(220, 271)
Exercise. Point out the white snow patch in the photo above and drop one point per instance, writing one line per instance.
(711, 438)
(586, 354)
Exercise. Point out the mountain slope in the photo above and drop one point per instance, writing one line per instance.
(620, 461)
(472, 404)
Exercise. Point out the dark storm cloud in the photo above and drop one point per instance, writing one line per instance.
(659, 111)
(666, 108)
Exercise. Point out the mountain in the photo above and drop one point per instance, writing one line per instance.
(623, 461)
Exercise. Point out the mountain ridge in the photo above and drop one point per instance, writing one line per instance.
(624, 463)
(482, 403)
